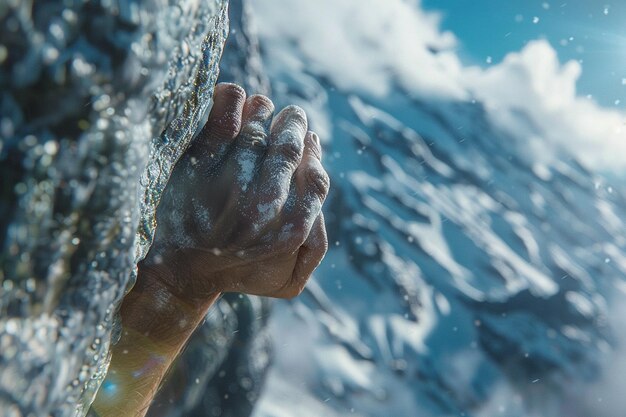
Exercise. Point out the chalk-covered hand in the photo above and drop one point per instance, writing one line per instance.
(242, 210)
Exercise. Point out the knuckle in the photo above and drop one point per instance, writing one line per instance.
(297, 115)
(290, 152)
(299, 235)
(232, 92)
(227, 127)
(290, 241)
(318, 181)
(225, 118)
(261, 103)
(253, 134)
(295, 111)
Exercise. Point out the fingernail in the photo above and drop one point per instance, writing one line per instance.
(316, 139)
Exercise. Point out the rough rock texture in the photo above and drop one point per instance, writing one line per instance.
(93, 97)
(225, 363)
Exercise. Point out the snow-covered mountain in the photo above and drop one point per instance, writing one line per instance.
(476, 224)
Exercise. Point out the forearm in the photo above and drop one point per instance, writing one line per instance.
(156, 325)
(241, 213)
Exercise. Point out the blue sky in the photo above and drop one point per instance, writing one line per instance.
(376, 47)
(590, 31)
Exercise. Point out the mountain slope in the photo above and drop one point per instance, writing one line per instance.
(472, 269)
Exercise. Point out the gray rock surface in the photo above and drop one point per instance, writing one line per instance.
(97, 101)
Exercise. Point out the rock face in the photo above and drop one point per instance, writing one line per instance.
(97, 101)
(226, 361)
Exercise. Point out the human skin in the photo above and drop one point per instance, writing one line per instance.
(241, 213)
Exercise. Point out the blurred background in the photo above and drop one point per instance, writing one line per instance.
(477, 264)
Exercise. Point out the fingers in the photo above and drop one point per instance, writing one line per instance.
(259, 109)
(223, 124)
(284, 154)
(257, 117)
(310, 256)
(251, 143)
(311, 187)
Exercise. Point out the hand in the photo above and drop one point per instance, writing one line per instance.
(242, 210)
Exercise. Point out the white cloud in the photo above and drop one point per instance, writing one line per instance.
(533, 97)
(367, 46)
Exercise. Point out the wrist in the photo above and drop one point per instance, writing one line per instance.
(156, 325)
(155, 311)
(174, 275)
